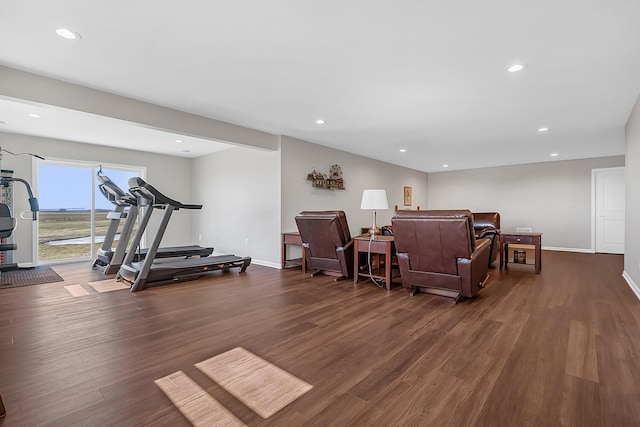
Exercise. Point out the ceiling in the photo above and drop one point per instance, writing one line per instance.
(60, 123)
(424, 76)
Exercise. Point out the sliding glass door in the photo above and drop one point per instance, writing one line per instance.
(73, 212)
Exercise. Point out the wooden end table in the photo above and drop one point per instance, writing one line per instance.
(379, 245)
(530, 239)
(292, 238)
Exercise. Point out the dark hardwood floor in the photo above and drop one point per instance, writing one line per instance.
(561, 348)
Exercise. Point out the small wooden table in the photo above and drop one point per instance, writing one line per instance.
(379, 245)
(292, 238)
(531, 239)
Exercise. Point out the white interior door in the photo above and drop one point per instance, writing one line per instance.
(609, 210)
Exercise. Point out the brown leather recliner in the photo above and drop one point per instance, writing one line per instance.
(487, 226)
(326, 241)
(438, 253)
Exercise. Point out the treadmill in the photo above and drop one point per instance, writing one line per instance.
(126, 206)
(147, 273)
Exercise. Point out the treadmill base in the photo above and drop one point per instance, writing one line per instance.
(165, 273)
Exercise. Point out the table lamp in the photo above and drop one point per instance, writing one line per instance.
(374, 200)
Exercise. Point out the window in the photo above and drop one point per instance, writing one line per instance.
(73, 212)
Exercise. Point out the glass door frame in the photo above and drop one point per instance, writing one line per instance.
(94, 168)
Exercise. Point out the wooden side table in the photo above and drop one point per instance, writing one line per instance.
(292, 238)
(384, 245)
(533, 240)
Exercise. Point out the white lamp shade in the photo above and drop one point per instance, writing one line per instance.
(374, 199)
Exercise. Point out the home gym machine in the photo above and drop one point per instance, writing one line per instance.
(7, 220)
(127, 207)
(147, 273)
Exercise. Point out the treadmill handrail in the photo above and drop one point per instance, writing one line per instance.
(113, 193)
(140, 188)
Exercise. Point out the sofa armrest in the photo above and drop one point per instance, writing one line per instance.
(488, 231)
(345, 247)
(472, 271)
(345, 256)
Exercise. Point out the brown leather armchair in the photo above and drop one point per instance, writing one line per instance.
(438, 253)
(487, 226)
(326, 241)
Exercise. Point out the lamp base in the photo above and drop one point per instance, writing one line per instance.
(375, 231)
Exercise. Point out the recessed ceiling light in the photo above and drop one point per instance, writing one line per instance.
(34, 115)
(515, 68)
(320, 122)
(445, 166)
(543, 129)
(179, 141)
(68, 34)
(186, 151)
(554, 154)
(403, 150)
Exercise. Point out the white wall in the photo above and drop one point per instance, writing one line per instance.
(553, 198)
(240, 191)
(171, 175)
(299, 158)
(632, 200)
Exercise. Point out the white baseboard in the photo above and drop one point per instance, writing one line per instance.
(554, 248)
(266, 263)
(634, 287)
(545, 248)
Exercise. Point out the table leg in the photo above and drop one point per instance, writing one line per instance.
(284, 253)
(538, 255)
(356, 261)
(504, 255)
(387, 266)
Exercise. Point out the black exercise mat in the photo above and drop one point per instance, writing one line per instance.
(28, 277)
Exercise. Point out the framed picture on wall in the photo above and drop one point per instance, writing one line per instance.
(407, 196)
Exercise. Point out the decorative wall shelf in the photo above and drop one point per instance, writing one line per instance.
(331, 181)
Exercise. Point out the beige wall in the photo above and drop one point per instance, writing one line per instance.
(632, 199)
(553, 198)
(248, 195)
(251, 195)
(171, 175)
(240, 191)
(299, 158)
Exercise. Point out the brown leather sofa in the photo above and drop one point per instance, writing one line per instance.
(326, 241)
(487, 226)
(438, 252)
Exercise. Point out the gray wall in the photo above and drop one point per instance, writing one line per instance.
(171, 175)
(248, 195)
(632, 199)
(32, 88)
(553, 198)
(299, 158)
(240, 191)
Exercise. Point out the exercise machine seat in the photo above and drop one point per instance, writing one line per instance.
(7, 225)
